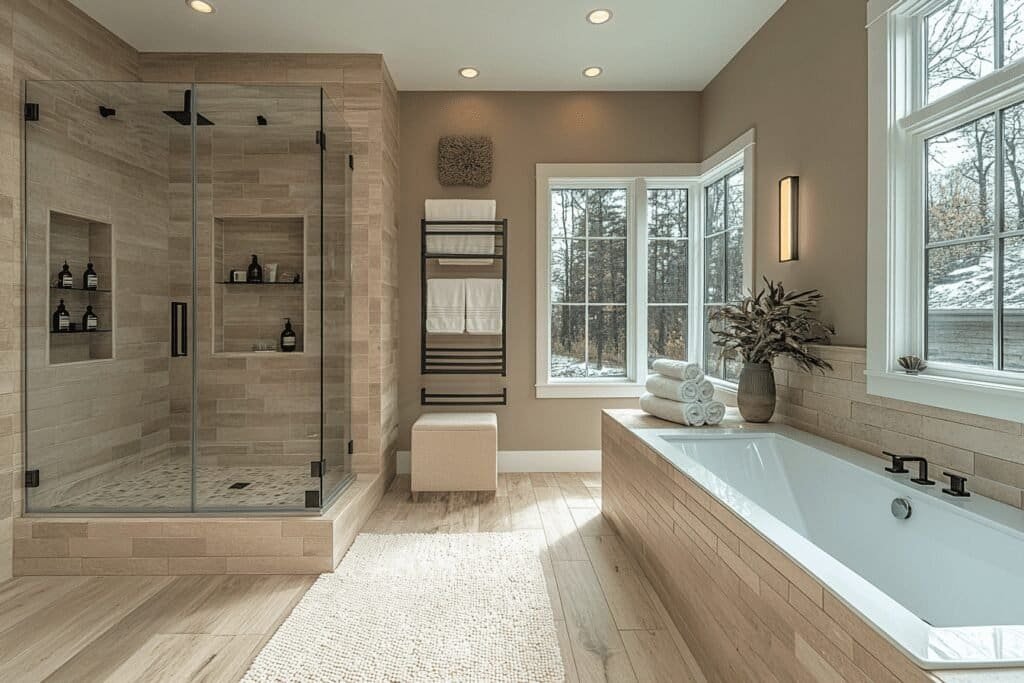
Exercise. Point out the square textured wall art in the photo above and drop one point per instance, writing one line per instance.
(465, 160)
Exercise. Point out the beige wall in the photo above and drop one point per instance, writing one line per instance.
(801, 81)
(527, 128)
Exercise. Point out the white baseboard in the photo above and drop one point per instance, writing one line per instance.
(533, 461)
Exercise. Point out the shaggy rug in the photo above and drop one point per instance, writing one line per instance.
(421, 607)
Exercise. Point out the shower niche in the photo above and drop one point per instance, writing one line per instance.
(249, 316)
(79, 241)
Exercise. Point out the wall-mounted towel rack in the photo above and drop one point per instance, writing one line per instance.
(428, 399)
(464, 358)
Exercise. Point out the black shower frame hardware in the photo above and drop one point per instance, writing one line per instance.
(464, 360)
(462, 399)
(261, 120)
(106, 112)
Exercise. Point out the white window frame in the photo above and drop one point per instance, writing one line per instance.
(899, 122)
(638, 178)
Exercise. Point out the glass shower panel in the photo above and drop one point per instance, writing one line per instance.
(108, 372)
(337, 310)
(258, 237)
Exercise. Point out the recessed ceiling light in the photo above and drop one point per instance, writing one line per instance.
(469, 72)
(201, 6)
(592, 71)
(599, 16)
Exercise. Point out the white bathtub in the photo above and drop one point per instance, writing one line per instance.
(945, 585)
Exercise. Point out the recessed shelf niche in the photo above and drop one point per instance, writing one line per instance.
(248, 314)
(80, 241)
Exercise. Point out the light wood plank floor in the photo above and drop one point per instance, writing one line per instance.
(611, 625)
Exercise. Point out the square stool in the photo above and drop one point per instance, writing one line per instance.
(455, 452)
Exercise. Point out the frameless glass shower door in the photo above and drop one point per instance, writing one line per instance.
(198, 361)
(105, 261)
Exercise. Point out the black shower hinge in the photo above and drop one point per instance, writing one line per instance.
(321, 139)
(351, 162)
(31, 479)
(31, 111)
(317, 468)
(351, 447)
(312, 499)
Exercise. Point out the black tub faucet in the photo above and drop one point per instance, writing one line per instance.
(956, 486)
(897, 467)
(897, 463)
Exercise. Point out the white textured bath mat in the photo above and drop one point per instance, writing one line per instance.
(421, 607)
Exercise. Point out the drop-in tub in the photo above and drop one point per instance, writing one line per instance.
(945, 586)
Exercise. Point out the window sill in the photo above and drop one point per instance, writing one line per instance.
(964, 395)
(590, 390)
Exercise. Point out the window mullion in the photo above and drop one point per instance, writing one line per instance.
(997, 35)
(638, 234)
(997, 246)
(695, 313)
(586, 283)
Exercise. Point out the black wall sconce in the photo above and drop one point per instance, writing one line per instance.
(789, 218)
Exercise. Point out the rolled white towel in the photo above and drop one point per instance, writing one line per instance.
(714, 412)
(705, 391)
(678, 369)
(690, 414)
(673, 389)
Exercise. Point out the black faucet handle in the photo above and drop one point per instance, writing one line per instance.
(956, 486)
(897, 463)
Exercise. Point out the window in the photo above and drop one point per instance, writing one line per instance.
(588, 282)
(668, 272)
(723, 263)
(946, 202)
(622, 268)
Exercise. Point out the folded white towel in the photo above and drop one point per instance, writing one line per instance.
(714, 412)
(690, 414)
(483, 306)
(466, 209)
(705, 391)
(446, 306)
(678, 369)
(673, 389)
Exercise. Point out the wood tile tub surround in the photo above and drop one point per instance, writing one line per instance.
(746, 610)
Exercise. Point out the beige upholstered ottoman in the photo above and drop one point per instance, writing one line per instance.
(455, 452)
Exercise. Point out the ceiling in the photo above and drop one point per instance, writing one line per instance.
(521, 45)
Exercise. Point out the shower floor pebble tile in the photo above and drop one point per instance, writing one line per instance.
(168, 486)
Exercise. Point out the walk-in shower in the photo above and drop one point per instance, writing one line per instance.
(187, 298)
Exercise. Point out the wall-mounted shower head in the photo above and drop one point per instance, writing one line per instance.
(184, 115)
(107, 111)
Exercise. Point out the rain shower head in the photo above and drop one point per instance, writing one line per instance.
(184, 115)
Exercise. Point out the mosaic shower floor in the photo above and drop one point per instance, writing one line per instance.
(168, 486)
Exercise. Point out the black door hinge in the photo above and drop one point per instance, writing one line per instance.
(351, 447)
(351, 162)
(31, 111)
(317, 468)
(312, 499)
(321, 139)
(31, 479)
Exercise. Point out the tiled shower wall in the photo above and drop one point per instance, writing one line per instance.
(364, 88)
(989, 451)
(39, 39)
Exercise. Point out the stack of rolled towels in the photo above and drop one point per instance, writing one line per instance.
(680, 393)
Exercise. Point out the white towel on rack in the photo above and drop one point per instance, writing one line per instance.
(483, 306)
(446, 305)
(465, 209)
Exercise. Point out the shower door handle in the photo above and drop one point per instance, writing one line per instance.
(179, 329)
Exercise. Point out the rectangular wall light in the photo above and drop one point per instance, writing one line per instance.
(789, 217)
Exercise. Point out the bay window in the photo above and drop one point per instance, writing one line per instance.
(631, 260)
